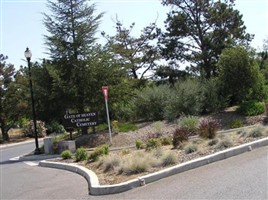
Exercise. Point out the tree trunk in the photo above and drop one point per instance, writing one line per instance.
(4, 132)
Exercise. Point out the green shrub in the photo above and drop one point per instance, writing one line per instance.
(152, 143)
(151, 101)
(66, 154)
(190, 123)
(165, 140)
(256, 132)
(251, 108)
(224, 143)
(139, 144)
(208, 128)
(100, 151)
(180, 135)
(190, 148)
(169, 159)
(54, 127)
(237, 123)
(185, 98)
(81, 154)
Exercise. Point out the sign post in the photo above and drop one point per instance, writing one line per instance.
(105, 94)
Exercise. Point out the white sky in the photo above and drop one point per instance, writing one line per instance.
(21, 22)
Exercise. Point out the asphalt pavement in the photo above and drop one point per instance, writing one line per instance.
(241, 177)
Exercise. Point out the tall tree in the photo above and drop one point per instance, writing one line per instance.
(72, 25)
(240, 76)
(138, 55)
(198, 30)
(7, 72)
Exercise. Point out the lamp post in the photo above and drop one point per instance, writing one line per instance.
(28, 55)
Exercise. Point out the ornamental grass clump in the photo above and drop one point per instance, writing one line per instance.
(190, 123)
(224, 143)
(109, 163)
(179, 136)
(213, 142)
(137, 163)
(256, 132)
(208, 128)
(190, 148)
(169, 158)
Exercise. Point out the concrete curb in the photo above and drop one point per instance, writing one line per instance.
(96, 189)
(33, 157)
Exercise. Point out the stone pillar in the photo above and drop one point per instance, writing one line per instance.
(48, 145)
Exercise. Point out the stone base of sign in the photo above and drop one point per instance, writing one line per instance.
(60, 147)
(66, 145)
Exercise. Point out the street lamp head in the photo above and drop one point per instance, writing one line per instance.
(28, 54)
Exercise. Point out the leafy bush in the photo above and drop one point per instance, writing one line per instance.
(152, 144)
(81, 154)
(256, 132)
(224, 143)
(28, 129)
(180, 135)
(66, 154)
(165, 140)
(185, 98)
(251, 108)
(237, 123)
(212, 100)
(151, 101)
(54, 127)
(100, 151)
(139, 144)
(190, 148)
(190, 123)
(115, 126)
(208, 128)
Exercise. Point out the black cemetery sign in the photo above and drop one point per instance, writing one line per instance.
(80, 120)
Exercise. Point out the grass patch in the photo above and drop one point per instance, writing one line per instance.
(126, 127)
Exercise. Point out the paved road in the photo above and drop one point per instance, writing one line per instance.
(241, 177)
(25, 180)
